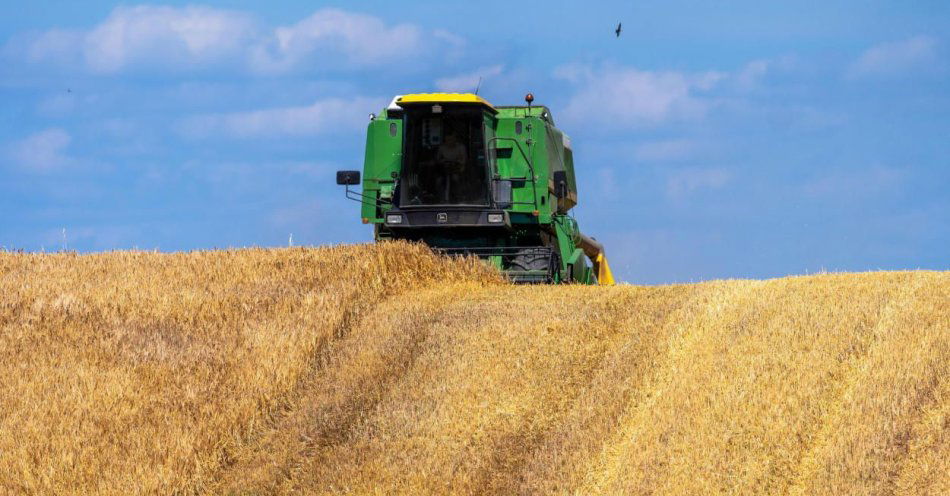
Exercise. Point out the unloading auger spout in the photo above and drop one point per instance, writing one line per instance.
(595, 251)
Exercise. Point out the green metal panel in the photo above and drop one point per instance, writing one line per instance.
(515, 159)
(383, 158)
(543, 145)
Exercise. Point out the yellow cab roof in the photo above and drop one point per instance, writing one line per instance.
(443, 98)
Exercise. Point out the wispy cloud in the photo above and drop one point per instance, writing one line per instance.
(321, 117)
(750, 75)
(181, 36)
(684, 182)
(42, 151)
(629, 97)
(161, 38)
(360, 40)
(665, 150)
(872, 181)
(634, 97)
(148, 35)
(896, 57)
(468, 81)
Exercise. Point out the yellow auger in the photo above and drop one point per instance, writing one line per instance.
(595, 251)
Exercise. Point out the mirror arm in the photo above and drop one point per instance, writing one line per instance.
(365, 199)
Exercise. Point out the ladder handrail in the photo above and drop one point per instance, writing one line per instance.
(534, 177)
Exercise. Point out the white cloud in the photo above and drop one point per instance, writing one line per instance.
(468, 82)
(634, 97)
(322, 117)
(56, 45)
(895, 57)
(750, 75)
(360, 39)
(627, 97)
(183, 36)
(42, 151)
(684, 182)
(448, 39)
(164, 38)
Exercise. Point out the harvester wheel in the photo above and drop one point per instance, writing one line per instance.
(536, 261)
(530, 261)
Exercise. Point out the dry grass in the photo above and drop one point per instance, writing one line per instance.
(382, 369)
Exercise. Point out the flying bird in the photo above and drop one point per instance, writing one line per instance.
(618, 29)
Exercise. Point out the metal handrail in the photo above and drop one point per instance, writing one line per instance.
(534, 177)
(365, 199)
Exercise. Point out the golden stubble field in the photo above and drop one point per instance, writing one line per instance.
(381, 369)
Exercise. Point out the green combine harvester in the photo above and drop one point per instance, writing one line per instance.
(468, 178)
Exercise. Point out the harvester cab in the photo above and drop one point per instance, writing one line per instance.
(468, 178)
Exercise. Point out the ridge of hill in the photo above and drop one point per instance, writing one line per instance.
(385, 369)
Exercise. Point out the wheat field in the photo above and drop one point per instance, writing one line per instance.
(383, 369)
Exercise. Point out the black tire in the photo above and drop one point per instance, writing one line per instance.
(536, 260)
(528, 260)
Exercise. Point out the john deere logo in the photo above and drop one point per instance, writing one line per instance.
(442, 218)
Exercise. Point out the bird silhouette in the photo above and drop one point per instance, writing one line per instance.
(618, 29)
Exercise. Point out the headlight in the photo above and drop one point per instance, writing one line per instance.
(496, 218)
(394, 219)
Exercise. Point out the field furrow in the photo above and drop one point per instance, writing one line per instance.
(383, 369)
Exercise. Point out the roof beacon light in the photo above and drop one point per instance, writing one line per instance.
(529, 98)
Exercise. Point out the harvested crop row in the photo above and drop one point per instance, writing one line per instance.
(142, 372)
(382, 369)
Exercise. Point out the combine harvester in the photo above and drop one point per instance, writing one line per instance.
(468, 178)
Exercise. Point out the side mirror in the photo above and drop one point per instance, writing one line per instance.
(348, 178)
(560, 184)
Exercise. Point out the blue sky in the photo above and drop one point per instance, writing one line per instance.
(713, 139)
